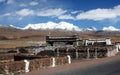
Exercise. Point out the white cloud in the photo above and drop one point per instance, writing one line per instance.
(44, 12)
(66, 17)
(53, 25)
(2, 0)
(25, 12)
(100, 14)
(110, 28)
(57, 13)
(10, 1)
(7, 14)
(51, 12)
(34, 3)
(74, 12)
(23, 5)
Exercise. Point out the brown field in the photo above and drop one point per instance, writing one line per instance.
(11, 37)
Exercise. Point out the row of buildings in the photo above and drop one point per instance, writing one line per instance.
(77, 47)
(73, 45)
(75, 41)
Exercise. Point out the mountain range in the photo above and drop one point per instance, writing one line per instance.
(62, 25)
(38, 32)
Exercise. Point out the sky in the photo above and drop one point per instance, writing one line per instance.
(82, 13)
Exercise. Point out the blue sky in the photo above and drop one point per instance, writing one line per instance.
(82, 13)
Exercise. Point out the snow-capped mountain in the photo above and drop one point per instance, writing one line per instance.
(61, 25)
(110, 28)
(91, 29)
(53, 25)
(15, 27)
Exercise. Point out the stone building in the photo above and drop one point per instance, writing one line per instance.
(62, 41)
(105, 41)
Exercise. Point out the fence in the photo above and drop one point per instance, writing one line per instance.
(86, 52)
(17, 67)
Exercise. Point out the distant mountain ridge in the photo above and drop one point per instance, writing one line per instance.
(51, 25)
(61, 25)
(14, 33)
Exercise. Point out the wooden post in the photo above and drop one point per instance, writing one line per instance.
(88, 53)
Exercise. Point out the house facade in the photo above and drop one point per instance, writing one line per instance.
(105, 41)
(62, 41)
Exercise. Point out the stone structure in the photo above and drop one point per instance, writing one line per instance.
(6, 57)
(56, 42)
(106, 41)
(32, 50)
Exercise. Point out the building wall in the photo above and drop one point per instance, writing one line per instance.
(92, 41)
(112, 52)
(108, 41)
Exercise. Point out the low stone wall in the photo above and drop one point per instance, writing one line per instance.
(2, 66)
(112, 52)
(12, 67)
(17, 67)
(88, 52)
(61, 60)
(39, 63)
(6, 57)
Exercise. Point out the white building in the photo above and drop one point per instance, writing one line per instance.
(106, 41)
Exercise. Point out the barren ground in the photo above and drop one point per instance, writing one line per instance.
(11, 37)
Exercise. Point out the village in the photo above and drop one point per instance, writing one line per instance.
(56, 51)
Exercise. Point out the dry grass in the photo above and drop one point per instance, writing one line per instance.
(10, 35)
(13, 45)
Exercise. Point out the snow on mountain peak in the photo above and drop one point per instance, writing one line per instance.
(91, 29)
(53, 25)
(15, 27)
(110, 28)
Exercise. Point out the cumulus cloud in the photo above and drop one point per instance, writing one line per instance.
(51, 12)
(66, 17)
(33, 3)
(53, 25)
(56, 12)
(100, 14)
(25, 12)
(10, 1)
(44, 12)
(110, 28)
